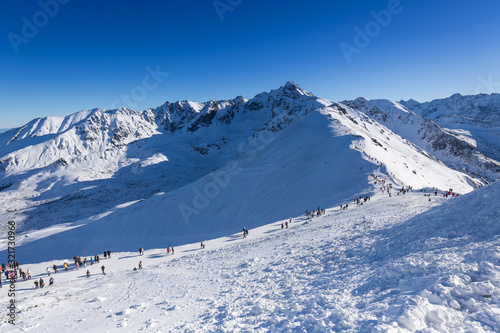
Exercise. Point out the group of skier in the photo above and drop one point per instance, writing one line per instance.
(12, 271)
(286, 223)
(41, 283)
(311, 214)
(359, 201)
(78, 263)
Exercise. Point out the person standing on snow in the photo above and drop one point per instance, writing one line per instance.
(109, 254)
(88, 273)
(140, 264)
(51, 281)
(102, 268)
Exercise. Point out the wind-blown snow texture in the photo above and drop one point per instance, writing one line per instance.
(185, 171)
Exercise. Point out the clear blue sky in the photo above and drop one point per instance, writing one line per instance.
(90, 53)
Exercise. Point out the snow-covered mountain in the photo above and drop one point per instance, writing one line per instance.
(185, 168)
(476, 117)
(453, 147)
(396, 264)
(186, 171)
(476, 110)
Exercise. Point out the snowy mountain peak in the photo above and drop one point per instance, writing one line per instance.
(291, 85)
(456, 148)
(293, 90)
(188, 171)
(474, 110)
(361, 100)
(240, 100)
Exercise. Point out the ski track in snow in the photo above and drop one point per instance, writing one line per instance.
(345, 271)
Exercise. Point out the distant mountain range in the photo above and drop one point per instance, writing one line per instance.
(185, 167)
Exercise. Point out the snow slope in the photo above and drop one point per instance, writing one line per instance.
(186, 171)
(321, 156)
(456, 148)
(288, 149)
(395, 264)
(477, 117)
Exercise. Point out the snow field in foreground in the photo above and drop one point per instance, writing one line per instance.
(396, 264)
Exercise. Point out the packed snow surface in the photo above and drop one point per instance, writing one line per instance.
(394, 264)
